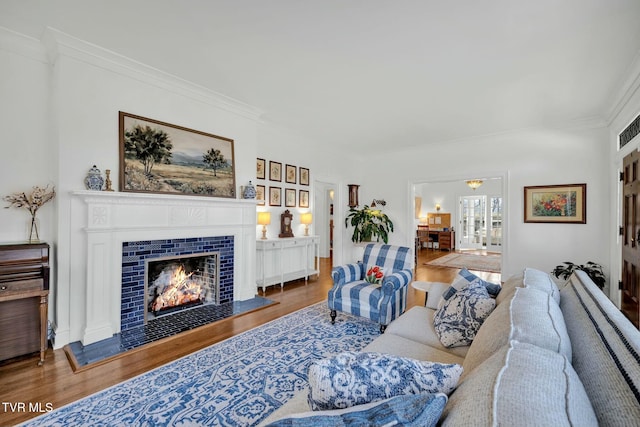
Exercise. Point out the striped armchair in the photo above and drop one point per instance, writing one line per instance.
(379, 302)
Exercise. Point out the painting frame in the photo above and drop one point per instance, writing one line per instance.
(290, 197)
(261, 168)
(303, 199)
(559, 204)
(304, 176)
(275, 196)
(275, 171)
(180, 166)
(260, 192)
(290, 174)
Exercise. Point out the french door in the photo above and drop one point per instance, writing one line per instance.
(472, 218)
(481, 222)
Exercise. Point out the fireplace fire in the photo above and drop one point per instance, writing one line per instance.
(178, 283)
(178, 288)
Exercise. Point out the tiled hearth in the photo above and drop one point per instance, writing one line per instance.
(161, 328)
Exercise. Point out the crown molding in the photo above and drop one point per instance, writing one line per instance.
(627, 89)
(22, 45)
(59, 44)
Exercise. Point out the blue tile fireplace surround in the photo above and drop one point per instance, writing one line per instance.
(134, 255)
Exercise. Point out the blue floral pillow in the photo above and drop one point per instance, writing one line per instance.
(460, 317)
(463, 279)
(422, 410)
(354, 378)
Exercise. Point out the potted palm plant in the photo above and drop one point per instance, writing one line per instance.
(593, 270)
(368, 224)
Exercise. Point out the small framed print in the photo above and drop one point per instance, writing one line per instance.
(260, 194)
(275, 171)
(275, 196)
(304, 176)
(304, 199)
(261, 166)
(290, 174)
(290, 197)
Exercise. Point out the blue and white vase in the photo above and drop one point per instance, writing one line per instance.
(249, 191)
(94, 180)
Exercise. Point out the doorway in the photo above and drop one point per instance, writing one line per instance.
(445, 195)
(325, 199)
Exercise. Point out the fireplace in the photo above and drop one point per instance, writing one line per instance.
(146, 267)
(112, 234)
(177, 283)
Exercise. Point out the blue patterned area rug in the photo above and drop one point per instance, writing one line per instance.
(237, 382)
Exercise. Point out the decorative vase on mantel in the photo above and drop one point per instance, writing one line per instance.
(249, 191)
(94, 180)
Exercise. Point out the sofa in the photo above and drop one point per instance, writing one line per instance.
(546, 355)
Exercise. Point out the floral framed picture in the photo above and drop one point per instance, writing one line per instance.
(260, 190)
(290, 197)
(159, 157)
(565, 204)
(290, 174)
(303, 199)
(261, 166)
(304, 176)
(275, 196)
(275, 171)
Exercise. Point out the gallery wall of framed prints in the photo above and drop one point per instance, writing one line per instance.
(282, 184)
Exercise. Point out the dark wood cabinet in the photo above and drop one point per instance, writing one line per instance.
(447, 240)
(24, 291)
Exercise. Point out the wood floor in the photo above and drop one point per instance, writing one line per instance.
(28, 387)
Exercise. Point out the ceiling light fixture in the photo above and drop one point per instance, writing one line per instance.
(474, 183)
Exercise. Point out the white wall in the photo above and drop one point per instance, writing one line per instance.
(28, 157)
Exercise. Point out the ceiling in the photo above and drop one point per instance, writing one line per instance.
(370, 73)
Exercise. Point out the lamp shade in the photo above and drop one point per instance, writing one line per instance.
(306, 218)
(264, 218)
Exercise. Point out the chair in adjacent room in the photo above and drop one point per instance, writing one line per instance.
(381, 302)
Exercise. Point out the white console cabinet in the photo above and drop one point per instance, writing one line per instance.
(282, 260)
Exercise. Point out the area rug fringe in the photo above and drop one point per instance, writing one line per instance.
(236, 382)
(490, 262)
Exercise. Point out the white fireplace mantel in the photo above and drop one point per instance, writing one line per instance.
(102, 221)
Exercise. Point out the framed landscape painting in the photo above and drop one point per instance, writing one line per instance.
(158, 157)
(566, 204)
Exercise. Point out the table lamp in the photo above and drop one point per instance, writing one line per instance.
(264, 219)
(306, 219)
